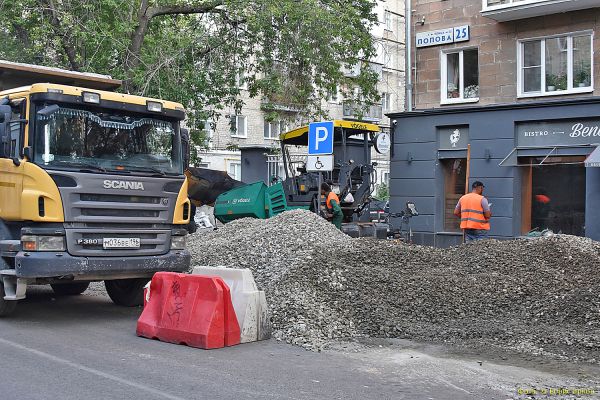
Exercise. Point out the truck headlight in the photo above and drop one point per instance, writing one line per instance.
(43, 243)
(154, 106)
(177, 242)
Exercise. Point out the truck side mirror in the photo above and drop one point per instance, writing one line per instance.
(5, 115)
(185, 146)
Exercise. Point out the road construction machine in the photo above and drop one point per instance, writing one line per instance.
(352, 177)
(92, 185)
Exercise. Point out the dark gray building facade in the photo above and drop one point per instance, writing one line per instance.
(530, 156)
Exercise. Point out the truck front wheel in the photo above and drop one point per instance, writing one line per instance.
(6, 306)
(70, 289)
(126, 292)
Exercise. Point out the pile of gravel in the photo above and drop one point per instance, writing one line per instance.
(539, 296)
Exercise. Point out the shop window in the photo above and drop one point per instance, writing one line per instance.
(455, 174)
(238, 126)
(556, 65)
(553, 195)
(460, 76)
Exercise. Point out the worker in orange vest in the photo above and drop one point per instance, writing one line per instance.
(333, 211)
(474, 212)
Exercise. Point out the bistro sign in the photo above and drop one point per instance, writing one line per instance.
(558, 133)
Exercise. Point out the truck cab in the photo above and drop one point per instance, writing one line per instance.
(92, 188)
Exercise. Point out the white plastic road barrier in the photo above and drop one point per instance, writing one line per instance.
(250, 304)
(147, 293)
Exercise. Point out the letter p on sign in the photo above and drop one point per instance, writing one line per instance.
(320, 138)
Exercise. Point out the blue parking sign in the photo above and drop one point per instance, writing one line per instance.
(320, 137)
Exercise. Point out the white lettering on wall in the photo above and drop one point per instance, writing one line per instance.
(581, 130)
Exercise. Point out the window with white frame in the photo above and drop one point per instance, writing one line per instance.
(240, 80)
(460, 76)
(272, 129)
(205, 125)
(238, 126)
(333, 95)
(235, 170)
(388, 56)
(386, 101)
(385, 177)
(387, 17)
(556, 65)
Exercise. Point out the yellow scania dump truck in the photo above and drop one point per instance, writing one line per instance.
(91, 185)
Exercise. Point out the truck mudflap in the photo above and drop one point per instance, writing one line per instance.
(54, 265)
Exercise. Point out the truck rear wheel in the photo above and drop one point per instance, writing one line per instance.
(6, 306)
(70, 289)
(126, 292)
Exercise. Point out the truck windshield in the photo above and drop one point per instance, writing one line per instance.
(73, 138)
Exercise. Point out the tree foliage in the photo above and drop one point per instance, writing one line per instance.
(290, 52)
(383, 191)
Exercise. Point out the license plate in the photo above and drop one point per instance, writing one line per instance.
(121, 243)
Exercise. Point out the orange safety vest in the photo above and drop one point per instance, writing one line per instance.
(471, 213)
(331, 196)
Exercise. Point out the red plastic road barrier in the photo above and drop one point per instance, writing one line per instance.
(195, 310)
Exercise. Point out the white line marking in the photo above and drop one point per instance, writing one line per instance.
(91, 370)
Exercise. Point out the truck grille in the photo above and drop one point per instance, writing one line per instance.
(152, 242)
(109, 212)
(114, 198)
(92, 207)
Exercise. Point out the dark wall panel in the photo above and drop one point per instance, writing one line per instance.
(418, 151)
(414, 169)
(412, 187)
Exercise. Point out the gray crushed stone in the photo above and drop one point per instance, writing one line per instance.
(533, 296)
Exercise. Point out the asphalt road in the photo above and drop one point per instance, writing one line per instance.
(84, 347)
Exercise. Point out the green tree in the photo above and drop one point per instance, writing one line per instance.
(290, 52)
(383, 192)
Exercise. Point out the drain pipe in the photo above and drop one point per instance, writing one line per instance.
(408, 103)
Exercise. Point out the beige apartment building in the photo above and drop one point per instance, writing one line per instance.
(253, 130)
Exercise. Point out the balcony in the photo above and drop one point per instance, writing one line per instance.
(510, 10)
(279, 104)
(355, 70)
(373, 113)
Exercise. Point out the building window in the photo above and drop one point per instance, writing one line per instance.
(272, 129)
(455, 175)
(240, 80)
(460, 76)
(235, 170)
(333, 96)
(553, 194)
(388, 56)
(238, 126)
(556, 65)
(387, 16)
(385, 178)
(386, 101)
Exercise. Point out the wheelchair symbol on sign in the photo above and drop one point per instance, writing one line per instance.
(319, 164)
